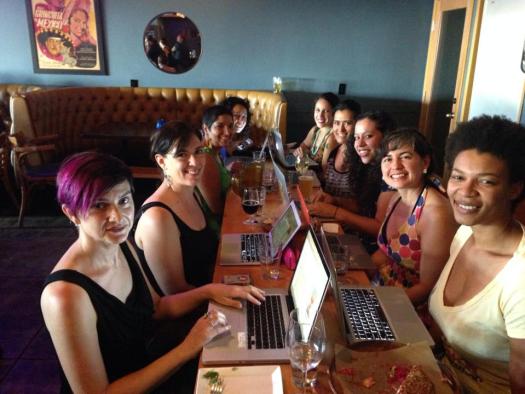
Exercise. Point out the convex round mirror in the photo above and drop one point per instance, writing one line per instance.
(172, 42)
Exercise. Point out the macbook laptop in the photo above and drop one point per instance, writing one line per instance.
(382, 313)
(359, 257)
(255, 337)
(245, 248)
(286, 160)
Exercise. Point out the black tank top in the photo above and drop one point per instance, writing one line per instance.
(124, 329)
(198, 249)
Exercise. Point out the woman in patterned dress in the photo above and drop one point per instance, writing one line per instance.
(415, 237)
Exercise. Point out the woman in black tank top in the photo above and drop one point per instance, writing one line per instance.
(98, 305)
(172, 230)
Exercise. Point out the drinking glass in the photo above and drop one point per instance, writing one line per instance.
(306, 342)
(262, 200)
(259, 155)
(301, 164)
(268, 176)
(252, 174)
(342, 259)
(306, 185)
(270, 261)
(250, 203)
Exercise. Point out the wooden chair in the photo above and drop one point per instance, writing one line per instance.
(34, 165)
(5, 167)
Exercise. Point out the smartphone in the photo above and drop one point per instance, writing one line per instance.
(238, 279)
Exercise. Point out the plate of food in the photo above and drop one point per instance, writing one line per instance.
(263, 379)
(408, 369)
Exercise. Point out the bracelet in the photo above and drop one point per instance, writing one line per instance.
(335, 212)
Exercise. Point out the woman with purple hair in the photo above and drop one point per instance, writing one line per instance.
(97, 303)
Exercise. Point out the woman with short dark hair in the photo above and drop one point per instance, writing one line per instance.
(418, 227)
(479, 300)
(217, 127)
(97, 304)
(178, 241)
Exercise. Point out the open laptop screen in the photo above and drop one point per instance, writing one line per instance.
(310, 281)
(285, 228)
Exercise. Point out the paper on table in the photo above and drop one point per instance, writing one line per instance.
(265, 379)
(352, 367)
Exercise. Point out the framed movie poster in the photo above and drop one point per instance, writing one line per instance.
(66, 36)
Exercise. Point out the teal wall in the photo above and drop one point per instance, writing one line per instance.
(376, 47)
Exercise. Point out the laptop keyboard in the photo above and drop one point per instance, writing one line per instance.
(367, 319)
(251, 246)
(266, 324)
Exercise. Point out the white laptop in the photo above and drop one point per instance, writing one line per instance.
(244, 248)
(253, 338)
(397, 319)
(286, 160)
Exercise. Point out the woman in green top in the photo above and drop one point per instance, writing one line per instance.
(217, 126)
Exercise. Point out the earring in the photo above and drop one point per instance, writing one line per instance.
(425, 171)
(167, 177)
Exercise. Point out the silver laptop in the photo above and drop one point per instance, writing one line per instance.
(286, 160)
(244, 248)
(252, 338)
(359, 258)
(382, 313)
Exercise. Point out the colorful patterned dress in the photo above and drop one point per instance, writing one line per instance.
(403, 248)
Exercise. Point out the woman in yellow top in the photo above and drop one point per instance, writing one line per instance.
(478, 301)
(317, 138)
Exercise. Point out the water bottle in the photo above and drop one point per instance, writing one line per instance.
(161, 122)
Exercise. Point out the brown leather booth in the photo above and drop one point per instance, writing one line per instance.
(74, 111)
(6, 91)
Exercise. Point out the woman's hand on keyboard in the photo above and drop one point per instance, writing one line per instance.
(229, 295)
(322, 209)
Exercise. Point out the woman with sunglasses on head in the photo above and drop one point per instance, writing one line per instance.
(479, 299)
(98, 305)
(415, 236)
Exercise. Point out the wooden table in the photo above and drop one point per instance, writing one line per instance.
(232, 223)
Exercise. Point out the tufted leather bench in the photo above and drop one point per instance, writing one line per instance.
(6, 91)
(70, 112)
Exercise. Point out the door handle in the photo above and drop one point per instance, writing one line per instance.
(450, 115)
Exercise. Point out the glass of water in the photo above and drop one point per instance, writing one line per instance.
(270, 261)
(306, 340)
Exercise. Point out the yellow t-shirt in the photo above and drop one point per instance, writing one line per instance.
(479, 330)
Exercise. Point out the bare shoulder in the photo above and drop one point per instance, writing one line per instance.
(438, 214)
(437, 202)
(156, 217)
(63, 298)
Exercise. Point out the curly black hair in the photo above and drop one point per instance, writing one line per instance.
(495, 135)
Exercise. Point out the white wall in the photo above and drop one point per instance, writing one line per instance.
(498, 80)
